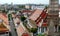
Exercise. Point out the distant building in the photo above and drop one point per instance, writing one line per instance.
(27, 6)
(35, 6)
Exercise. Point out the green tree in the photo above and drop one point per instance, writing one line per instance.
(33, 30)
(46, 7)
(9, 17)
(21, 6)
(23, 18)
(5, 11)
(41, 35)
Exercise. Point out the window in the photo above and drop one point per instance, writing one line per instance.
(56, 28)
(59, 28)
(45, 29)
(42, 29)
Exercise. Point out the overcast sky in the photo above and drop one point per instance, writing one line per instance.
(24, 1)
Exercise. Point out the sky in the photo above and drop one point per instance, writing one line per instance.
(25, 1)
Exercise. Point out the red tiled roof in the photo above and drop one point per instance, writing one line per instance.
(21, 29)
(38, 21)
(41, 15)
(3, 28)
(4, 18)
(38, 15)
(5, 15)
(44, 16)
(25, 34)
(44, 24)
(35, 15)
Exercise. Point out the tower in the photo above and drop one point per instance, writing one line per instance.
(53, 17)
